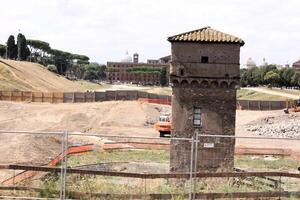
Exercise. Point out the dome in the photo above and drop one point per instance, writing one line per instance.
(127, 58)
(264, 63)
(250, 63)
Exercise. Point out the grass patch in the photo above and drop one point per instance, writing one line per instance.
(255, 163)
(159, 156)
(123, 185)
(244, 94)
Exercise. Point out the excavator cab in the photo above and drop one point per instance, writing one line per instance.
(298, 103)
(163, 126)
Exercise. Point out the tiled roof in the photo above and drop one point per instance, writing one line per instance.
(297, 63)
(206, 34)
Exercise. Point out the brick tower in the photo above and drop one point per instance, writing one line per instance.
(204, 75)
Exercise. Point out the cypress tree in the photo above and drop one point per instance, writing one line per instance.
(11, 48)
(23, 50)
(163, 76)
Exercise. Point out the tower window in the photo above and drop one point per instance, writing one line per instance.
(204, 59)
(181, 72)
(197, 122)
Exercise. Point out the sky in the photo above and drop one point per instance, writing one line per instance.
(105, 30)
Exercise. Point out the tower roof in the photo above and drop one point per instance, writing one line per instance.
(296, 64)
(206, 34)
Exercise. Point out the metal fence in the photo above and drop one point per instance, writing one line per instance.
(98, 166)
(113, 95)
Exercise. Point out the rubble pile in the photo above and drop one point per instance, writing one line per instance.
(287, 126)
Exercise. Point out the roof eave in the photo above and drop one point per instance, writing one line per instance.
(241, 43)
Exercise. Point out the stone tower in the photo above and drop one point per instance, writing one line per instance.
(204, 75)
(136, 58)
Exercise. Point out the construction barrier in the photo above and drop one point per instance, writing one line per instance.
(50, 97)
(116, 95)
(157, 101)
(29, 174)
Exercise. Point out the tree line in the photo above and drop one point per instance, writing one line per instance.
(162, 71)
(271, 76)
(73, 66)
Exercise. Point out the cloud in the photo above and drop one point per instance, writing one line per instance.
(106, 29)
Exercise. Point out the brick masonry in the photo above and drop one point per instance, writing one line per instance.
(211, 86)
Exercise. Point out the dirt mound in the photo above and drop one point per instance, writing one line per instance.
(27, 76)
(109, 118)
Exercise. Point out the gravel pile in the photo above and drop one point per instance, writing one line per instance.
(281, 126)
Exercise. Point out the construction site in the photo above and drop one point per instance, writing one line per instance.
(200, 142)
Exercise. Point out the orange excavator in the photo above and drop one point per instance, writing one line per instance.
(294, 105)
(163, 126)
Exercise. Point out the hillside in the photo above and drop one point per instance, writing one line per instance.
(26, 76)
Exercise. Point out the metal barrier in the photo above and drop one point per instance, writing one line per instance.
(143, 173)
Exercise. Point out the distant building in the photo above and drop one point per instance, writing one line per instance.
(250, 63)
(264, 62)
(296, 65)
(132, 71)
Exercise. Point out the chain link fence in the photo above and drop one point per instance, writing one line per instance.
(70, 165)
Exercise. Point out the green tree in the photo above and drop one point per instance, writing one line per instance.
(163, 76)
(2, 50)
(94, 71)
(272, 78)
(38, 50)
(12, 50)
(296, 79)
(286, 75)
(23, 50)
(244, 77)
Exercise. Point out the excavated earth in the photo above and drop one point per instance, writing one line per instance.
(287, 125)
(126, 118)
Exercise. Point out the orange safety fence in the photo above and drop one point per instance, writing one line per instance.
(157, 101)
(29, 174)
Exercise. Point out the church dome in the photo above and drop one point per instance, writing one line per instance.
(250, 63)
(127, 58)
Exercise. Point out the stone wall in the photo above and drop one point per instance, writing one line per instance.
(221, 53)
(209, 84)
(218, 107)
(223, 60)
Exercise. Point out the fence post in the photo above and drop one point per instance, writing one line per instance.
(195, 162)
(63, 171)
(73, 97)
(191, 169)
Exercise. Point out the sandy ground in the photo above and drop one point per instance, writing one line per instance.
(109, 118)
(27, 76)
(245, 118)
(128, 118)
